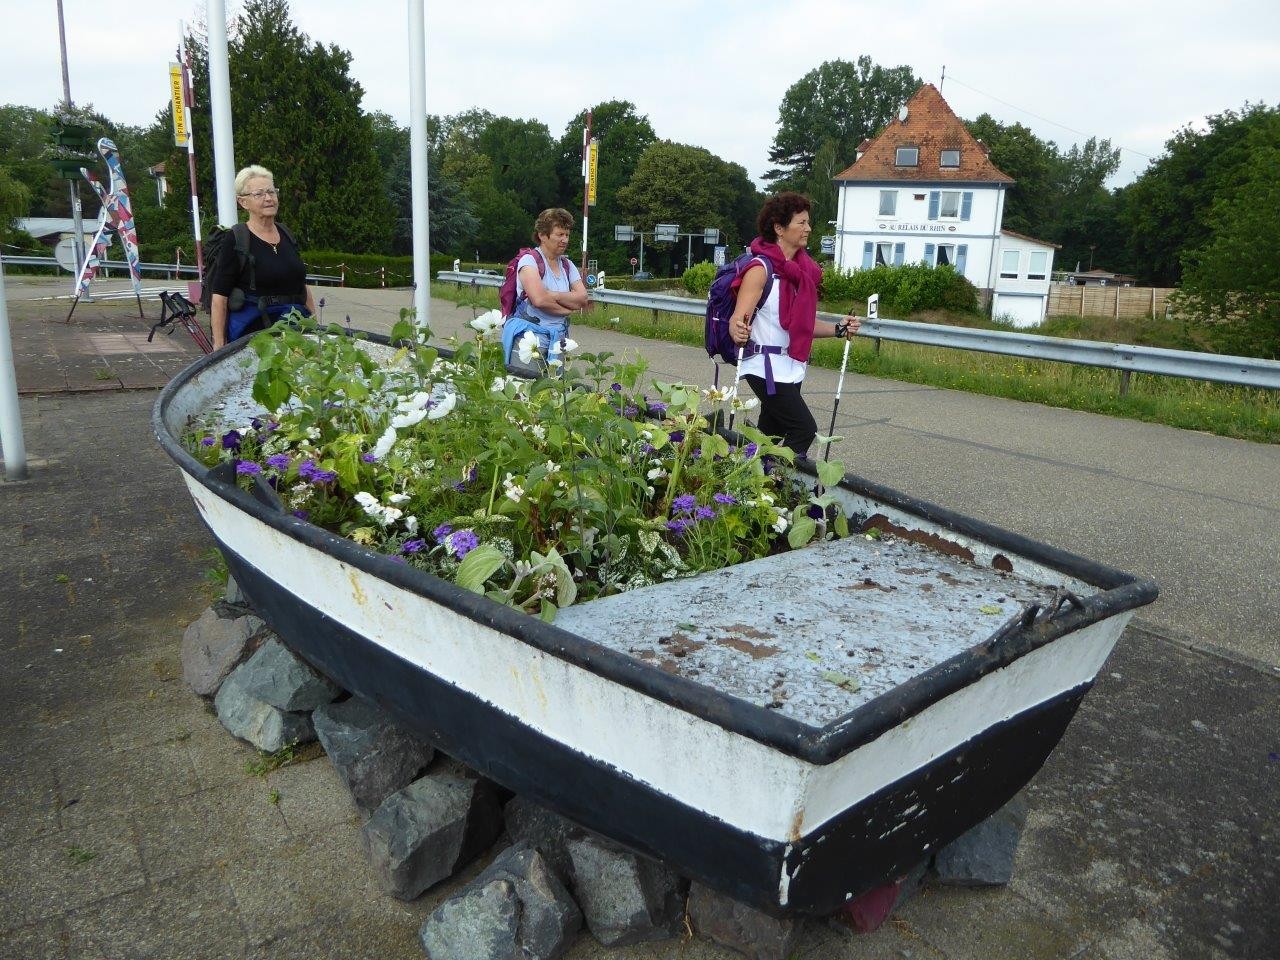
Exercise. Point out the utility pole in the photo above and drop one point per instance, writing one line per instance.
(73, 184)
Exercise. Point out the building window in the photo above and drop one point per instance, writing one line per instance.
(949, 208)
(1009, 265)
(946, 255)
(1037, 265)
(888, 203)
(884, 254)
(907, 157)
(950, 159)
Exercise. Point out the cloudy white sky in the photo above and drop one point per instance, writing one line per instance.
(713, 74)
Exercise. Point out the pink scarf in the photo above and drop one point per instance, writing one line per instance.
(798, 296)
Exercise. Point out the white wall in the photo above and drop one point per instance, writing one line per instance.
(1022, 298)
(858, 220)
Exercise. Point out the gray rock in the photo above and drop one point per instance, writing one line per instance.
(624, 897)
(373, 754)
(474, 923)
(422, 834)
(266, 727)
(739, 927)
(233, 593)
(984, 856)
(484, 925)
(213, 646)
(277, 676)
(547, 831)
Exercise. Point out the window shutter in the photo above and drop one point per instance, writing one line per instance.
(962, 253)
(899, 253)
(934, 197)
(928, 254)
(966, 205)
(868, 253)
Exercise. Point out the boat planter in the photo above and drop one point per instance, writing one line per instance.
(792, 731)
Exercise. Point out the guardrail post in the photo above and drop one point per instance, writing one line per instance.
(382, 272)
(877, 341)
(1124, 382)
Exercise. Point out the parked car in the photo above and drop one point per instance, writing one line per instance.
(486, 272)
(642, 275)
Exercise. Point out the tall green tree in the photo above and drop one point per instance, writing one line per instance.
(1034, 165)
(1084, 210)
(524, 161)
(841, 101)
(819, 186)
(1231, 284)
(1166, 210)
(623, 134)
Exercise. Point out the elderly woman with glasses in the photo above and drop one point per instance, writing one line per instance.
(251, 292)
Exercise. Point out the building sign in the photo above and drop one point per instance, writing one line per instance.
(593, 157)
(178, 105)
(919, 227)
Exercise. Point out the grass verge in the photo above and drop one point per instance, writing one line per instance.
(1229, 411)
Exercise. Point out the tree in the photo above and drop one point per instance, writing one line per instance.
(839, 101)
(820, 188)
(1084, 211)
(1166, 210)
(524, 161)
(1233, 281)
(623, 136)
(690, 186)
(1034, 166)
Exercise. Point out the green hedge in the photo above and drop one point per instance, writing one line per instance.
(905, 289)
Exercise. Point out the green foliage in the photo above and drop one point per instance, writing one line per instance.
(1232, 282)
(697, 279)
(840, 101)
(905, 289)
(265, 762)
(533, 492)
(1167, 210)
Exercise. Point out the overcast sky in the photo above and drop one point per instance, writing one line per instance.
(1131, 72)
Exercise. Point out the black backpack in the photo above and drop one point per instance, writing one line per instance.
(223, 242)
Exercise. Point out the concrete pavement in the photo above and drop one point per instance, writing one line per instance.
(133, 830)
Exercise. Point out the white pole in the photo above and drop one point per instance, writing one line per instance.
(224, 147)
(418, 162)
(11, 445)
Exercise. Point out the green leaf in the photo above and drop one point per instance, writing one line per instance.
(990, 609)
(403, 330)
(830, 472)
(810, 655)
(848, 683)
(271, 389)
(841, 524)
(478, 566)
(802, 530)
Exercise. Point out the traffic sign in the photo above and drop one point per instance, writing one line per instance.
(711, 235)
(634, 261)
(666, 232)
(624, 233)
(65, 253)
(829, 244)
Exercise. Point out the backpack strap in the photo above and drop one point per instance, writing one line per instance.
(240, 231)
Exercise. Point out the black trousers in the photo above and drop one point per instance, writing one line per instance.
(784, 415)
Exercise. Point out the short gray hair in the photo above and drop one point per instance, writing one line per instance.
(248, 173)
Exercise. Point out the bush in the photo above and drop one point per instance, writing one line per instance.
(697, 279)
(906, 289)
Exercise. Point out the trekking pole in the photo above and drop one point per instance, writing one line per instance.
(737, 378)
(873, 310)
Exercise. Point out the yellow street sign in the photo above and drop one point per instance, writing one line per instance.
(179, 106)
(593, 154)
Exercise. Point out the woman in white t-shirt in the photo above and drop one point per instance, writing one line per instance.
(779, 332)
(549, 295)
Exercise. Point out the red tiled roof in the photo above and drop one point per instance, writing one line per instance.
(932, 127)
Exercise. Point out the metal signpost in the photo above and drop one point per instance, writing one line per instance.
(667, 233)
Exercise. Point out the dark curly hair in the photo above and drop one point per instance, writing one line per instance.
(778, 211)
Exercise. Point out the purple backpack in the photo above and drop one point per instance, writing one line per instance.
(722, 300)
(507, 301)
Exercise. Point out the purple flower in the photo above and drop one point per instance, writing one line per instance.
(677, 436)
(657, 406)
(749, 451)
(308, 470)
(324, 476)
(647, 448)
(247, 468)
(463, 542)
(678, 526)
(279, 461)
(413, 546)
(207, 441)
(630, 410)
(725, 498)
(369, 458)
(704, 513)
(684, 503)
(271, 425)
(255, 423)
(616, 387)
(301, 514)
(441, 532)
(231, 440)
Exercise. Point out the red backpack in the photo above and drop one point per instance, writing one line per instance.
(507, 301)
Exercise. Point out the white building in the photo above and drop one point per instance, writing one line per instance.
(924, 190)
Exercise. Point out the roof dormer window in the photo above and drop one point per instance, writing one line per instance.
(906, 157)
(949, 160)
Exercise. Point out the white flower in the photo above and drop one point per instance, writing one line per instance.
(487, 322)
(527, 348)
(656, 473)
(568, 345)
(402, 420)
(385, 443)
(745, 403)
(552, 466)
(390, 515)
(514, 492)
(443, 406)
(538, 430)
(501, 383)
(411, 524)
(715, 394)
(780, 523)
(615, 319)
(398, 498)
(415, 402)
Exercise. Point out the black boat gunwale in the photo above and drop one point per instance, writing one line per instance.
(816, 745)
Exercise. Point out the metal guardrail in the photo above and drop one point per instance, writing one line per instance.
(182, 269)
(1125, 358)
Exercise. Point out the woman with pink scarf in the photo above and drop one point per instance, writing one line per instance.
(778, 328)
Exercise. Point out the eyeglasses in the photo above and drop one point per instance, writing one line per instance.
(259, 194)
